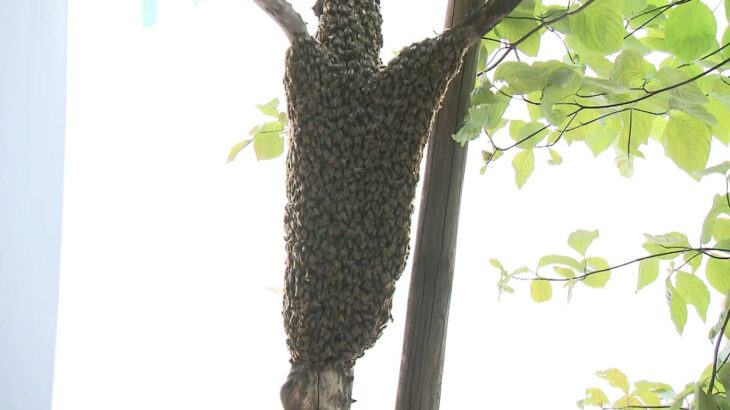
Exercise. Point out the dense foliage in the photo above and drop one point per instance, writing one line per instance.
(634, 72)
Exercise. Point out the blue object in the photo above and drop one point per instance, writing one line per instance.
(149, 13)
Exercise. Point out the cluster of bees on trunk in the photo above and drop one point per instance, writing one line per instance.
(358, 129)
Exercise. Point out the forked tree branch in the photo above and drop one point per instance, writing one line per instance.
(284, 14)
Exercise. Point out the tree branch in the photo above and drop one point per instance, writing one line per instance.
(487, 16)
(284, 14)
(718, 342)
(545, 23)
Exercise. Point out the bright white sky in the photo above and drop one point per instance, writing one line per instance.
(172, 258)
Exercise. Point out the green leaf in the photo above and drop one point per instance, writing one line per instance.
(688, 93)
(599, 138)
(635, 132)
(677, 307)
(555, 158)
(648, 272)
(687, 142)
(581, 239)
(236, 149)
(694, 292)
(517, 25)
(567, 273)
(594, 397)
(560, 260)
(268, 142)
(715, 330)
(524, 164)
(268, 146)
(718, 274)
(562, 81)
(651, 393)
(599, 27)
(727, 10)
(597, 280)
(628, 68)
(495, 113)
(724, 41)
(647, 397)
(541, 290)
(719, 206)
(723, 401)
(721, 230)
(702, 400)
(691, 30)
(723, 372)
(721, 168)
(496, 264)
(270, 108)
(625, 164)
(632, 8)
(615, 378)
(721, 112)
(627, 402)
(681, 396)
(668, 240)
(521, 77)
(533, 131)
(601, 85)
(470, 130)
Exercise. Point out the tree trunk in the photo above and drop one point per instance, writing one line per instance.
(433, 262)
(329, 389)
(357, 132)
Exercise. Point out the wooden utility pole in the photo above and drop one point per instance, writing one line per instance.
(424, 343)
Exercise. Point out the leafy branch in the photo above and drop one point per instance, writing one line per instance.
(496, 60)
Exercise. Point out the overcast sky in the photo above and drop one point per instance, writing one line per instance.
(173, 260)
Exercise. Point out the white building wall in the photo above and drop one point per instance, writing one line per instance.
(32, 120)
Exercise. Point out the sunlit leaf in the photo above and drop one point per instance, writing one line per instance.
(677, 307)
(719, 207)
(651, 393)
(581, 239)
(236, 149)
(648, 272)
(671, 239)
(519, 23)
(560, 260)
(555, 158)
(687, 142)
(628, 68)
(718, 275)
(524, 164)
(721, 230)
(691, 30)
(268, 142)
(521, 77)
(541, 290)
(599, 138)
(530, 133)
(270, 108)
(615, 378)
(564, 272)
(599, 27)
(694, 292)
(597, 280)
(594, 397)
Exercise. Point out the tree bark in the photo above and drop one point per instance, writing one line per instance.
(433, 262)
(305, 389)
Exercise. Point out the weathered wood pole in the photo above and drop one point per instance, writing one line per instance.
(424, 342)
